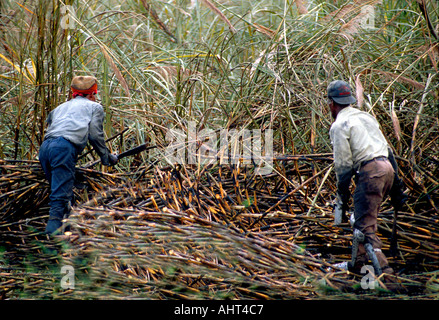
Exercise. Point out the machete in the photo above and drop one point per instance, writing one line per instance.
(131, 152)
(136, 150)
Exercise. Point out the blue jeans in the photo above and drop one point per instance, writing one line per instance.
(58, 158)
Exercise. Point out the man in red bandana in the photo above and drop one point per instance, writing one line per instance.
(70, 126)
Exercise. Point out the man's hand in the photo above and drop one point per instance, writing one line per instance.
(114, 159)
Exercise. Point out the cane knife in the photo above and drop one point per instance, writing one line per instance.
(131, 152)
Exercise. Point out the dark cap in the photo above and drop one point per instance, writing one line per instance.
(340, 92)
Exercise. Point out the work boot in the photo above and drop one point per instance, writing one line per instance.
(59, 210)
(54, 226)
(360, 261)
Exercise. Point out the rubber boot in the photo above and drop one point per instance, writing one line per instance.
(58, 210)
(54, 226)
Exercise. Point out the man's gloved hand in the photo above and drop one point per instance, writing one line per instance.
(113, 159)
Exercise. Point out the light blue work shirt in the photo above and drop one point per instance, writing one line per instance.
(79, 120)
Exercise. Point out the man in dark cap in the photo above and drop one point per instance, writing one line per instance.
(360, 150)
(70, 126)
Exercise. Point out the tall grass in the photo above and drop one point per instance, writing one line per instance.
(223, 64)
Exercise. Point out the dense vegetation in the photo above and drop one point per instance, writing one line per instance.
(227, 64)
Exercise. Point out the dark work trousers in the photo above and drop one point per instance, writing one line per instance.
(373, 183)
(58, 158)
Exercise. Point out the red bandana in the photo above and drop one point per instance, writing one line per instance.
(92, 90)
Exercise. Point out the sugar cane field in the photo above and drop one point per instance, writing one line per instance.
(231, 193)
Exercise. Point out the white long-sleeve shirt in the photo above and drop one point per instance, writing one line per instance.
(355, 137)
(79, 120)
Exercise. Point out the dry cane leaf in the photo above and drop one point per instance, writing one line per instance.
(157, 20)
(268, 32)
(396, 125)
(359, 90)
(401, 79)
(301, 6)
(212, 7)
(116, 70)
